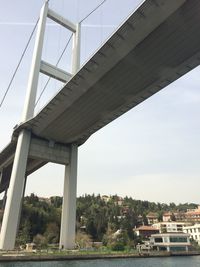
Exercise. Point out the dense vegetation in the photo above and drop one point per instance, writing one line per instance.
(97, 219)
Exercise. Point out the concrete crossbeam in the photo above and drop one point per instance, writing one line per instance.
(61, 20)
(68, 220)
(54, 72)
(49, 151)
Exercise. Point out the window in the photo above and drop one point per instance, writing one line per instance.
(178, 239)
(158, 240)
(162, 249)
(177, 248)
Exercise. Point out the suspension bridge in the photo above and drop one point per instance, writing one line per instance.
(156, 45)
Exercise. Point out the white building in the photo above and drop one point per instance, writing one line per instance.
(167, 216)
(170, 227)
(105, 198)
(170, 242)
(193, 231)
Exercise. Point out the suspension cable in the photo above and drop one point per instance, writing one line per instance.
(25, 49)
(18, 65)
(93, 11)
(56, 66)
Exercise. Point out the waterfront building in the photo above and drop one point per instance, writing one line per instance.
(170, 227)
(170, 242)
(193, 231)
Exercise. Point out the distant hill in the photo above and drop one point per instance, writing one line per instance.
(96, 215)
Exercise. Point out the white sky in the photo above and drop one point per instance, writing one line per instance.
(152, 152)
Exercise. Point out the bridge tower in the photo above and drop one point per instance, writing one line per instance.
(27, 144)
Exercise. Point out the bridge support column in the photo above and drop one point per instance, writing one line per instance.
(68, 220)
(15, 191)
(4, 199)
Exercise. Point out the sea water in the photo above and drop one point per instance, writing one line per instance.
(183, 261)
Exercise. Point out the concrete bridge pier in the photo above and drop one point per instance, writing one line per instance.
(17, 180)
(68, 220)
(15, 193)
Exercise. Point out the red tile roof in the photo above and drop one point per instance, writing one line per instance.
(145, 228)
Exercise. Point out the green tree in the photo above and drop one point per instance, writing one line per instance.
(52, 233)
(40, 241)
(23, 236)
(83, 240)
(118, 241)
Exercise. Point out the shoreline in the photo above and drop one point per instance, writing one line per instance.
(8, 257)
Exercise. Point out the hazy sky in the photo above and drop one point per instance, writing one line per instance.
(152, 152)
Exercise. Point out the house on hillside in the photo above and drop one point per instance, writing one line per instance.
(105, 198)
(119, 201)
(170, 227)
(145, 231)
(179, 216)
(193, 215)
(168, 216)
(44, 199)
(152, 218)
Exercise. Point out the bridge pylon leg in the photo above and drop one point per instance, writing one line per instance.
(68, 220)
(15, 193)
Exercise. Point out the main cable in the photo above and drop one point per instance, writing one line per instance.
(18, 65)
(93, 11)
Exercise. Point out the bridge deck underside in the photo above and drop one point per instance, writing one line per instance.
(159, 43)
(32, 165)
